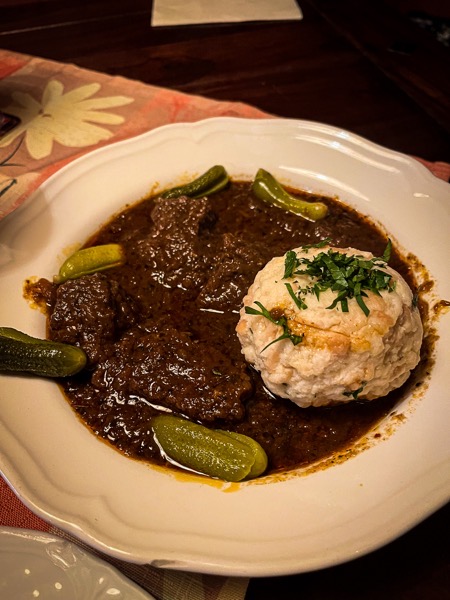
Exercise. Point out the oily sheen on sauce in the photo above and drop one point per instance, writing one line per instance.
(159, 331)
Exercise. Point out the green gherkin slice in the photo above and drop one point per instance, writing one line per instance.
(268, 189)
(21, 353)
(259, 454)
(90, 260)
(214, 180)
(211, 452)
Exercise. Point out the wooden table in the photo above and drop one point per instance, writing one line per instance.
(365, 67)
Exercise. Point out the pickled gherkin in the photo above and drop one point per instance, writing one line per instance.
(214, 180)
(260, 464)
(268, 189)
(220, 454)
(22, 353)
(91, 260)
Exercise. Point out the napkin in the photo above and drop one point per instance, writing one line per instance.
(102, 110)
(184, 12)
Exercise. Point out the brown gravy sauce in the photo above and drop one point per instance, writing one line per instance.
(160, 330)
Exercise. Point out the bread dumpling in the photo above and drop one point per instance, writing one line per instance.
(326, 325)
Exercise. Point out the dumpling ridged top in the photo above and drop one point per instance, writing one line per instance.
(325, 325)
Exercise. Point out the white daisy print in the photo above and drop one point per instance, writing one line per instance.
(67, 118)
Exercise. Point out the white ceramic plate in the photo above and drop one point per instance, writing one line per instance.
(269, 527)
(39, 565)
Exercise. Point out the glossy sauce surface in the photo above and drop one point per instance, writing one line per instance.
(159, 331)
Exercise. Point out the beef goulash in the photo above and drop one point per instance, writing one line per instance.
(265, 317)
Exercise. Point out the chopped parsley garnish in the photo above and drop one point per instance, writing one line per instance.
(291, 262)
(298, 301)
(349, 276)
(356, 393)
(320, 244)
(280, 321)
(387, 252)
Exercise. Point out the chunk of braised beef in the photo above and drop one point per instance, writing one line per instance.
(232, 271)
(169, 368)
(171, 251)
(172, 216)
(91, 312)
(42, 293)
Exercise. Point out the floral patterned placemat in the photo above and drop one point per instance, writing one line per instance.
(66, 112)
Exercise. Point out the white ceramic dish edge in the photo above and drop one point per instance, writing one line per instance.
(36, 564)
(320, 528)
